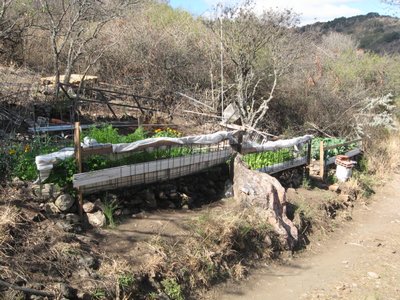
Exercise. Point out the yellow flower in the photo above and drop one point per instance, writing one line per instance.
(27, 148)
(158, 130)
(12, 152)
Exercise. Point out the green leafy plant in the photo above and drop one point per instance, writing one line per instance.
(99, 294)
(109, 207)
(268, 158)
(109, 134)
(172, 289)
(330, 142)
(126, 280)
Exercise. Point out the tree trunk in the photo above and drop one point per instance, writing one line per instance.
(266, 194)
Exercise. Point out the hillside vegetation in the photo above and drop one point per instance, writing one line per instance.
(380, 34)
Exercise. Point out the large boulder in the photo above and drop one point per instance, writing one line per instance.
(64, 202)
(267, 196)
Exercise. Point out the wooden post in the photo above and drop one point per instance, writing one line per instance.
(321, 160)
(308, 159)
(78, 158)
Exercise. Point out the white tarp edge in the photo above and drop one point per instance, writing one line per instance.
(276, 145)
(44, 163)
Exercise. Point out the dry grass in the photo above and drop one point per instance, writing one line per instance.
(9, 217)
(221, 245)
(383, 155)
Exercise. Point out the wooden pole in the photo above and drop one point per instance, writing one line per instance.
(78, 158)
(308, 159)
(321, 160)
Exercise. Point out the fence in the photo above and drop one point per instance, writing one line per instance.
(159, 159)
(151, 160)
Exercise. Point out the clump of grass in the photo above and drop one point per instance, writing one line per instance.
(172, 289)
(109, 207)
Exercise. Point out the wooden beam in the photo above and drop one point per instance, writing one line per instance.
(308, 159)
(101, 150)
(78, 157)
(321, 160)
(342, 144)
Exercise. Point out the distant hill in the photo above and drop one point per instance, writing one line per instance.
(374, 32)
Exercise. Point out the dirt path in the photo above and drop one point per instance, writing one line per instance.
(361, 260)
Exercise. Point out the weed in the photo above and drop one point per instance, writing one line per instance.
(99, 294)
(172, 289)
(307, 183)
(109, 208)
(126, 280)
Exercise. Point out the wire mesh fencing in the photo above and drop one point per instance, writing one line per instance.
(148, 165)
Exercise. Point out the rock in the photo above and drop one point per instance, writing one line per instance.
(264, 193)
(38, 218)
(83, 296)
(267, 241)
(334, 188)
(89, 207)
(98, 204)
(171, 205)
(51, 208)
(174, 196)
(67, 291)
(97, 219)
(185, 207)
(344, 198)
(18, 183)
(126, 211)
(228, 190)
(73, 218)
(150, 199)
(88, 261)
(64, 202)
(141, 215)
(46, 192)
(64, 225)
(373, 275)
(162, 196)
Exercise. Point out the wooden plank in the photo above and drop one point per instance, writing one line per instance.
(342, 144)
(309, 146)
(78, 158)
(100, 150)
(82, 179)
(321, 160)
(287, 165)
(351, 153)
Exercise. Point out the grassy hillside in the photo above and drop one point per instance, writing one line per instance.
(374, 32)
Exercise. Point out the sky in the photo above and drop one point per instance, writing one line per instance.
(310, 10)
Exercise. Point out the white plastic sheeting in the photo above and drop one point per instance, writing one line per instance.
(44, 163)
(276, 145)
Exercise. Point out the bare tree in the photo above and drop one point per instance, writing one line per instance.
(13, 23)
(255, 45)
(73, 26)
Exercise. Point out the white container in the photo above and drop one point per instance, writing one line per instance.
(343, 173)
